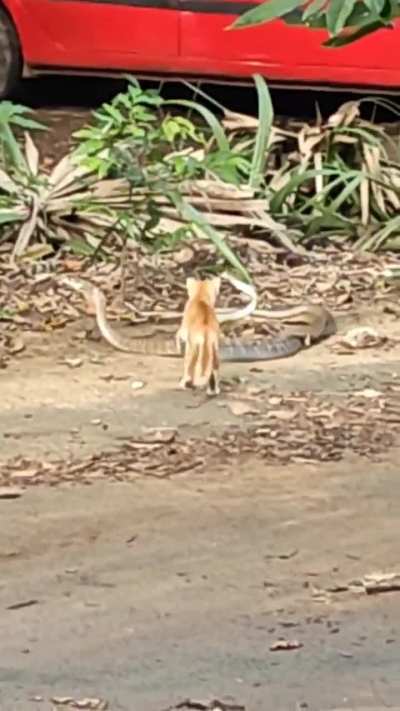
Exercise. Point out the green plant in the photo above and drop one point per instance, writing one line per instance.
(137, 130)
(338, 181)
(133, 175)
(14, 115)
(144, 172)
(66, 204)
(345, 20)
(167, 156)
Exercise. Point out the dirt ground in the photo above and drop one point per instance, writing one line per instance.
(148, 592)
(144, 592)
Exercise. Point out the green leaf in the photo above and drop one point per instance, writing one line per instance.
(337, 13)
(265, 12)
(79, 246)
(11, 108)
(9, 216)
(114, 113)
(318, 201)
(378, 240)
(6, 314)
(327, 220)
(28, 123)
(226, 165)
(360, 32)
(349, 190)
(385, 102)
(313, 8)
(389, 11)
(297, 179)
(192, 215)
(295, 17)
(174, 126)
(265, 121)
(209, 117)
(375, 6)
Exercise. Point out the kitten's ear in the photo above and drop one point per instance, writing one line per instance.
(191, 285)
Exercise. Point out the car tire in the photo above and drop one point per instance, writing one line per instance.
(10, 56)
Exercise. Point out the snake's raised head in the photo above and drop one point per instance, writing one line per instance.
(93, 295)
(73, 282)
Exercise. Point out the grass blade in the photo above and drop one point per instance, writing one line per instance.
(209, 117)
(265, 12)
(265, 121)
(192, 215)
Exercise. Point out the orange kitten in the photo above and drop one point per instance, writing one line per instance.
(200, 333)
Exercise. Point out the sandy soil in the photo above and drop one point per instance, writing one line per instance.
(146, 593)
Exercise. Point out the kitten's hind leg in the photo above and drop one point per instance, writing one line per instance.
(186, 380)
(213, 384)
(180, 339)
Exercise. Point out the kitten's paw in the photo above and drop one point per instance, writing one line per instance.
(211, 392)
(184, 384)
(213, 385)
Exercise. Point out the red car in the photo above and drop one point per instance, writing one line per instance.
(179, 37)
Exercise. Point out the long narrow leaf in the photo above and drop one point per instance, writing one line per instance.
(265, 121)
(9, 216)
(31, 155)
(349, 190)
(312, 9)
(6, 183)
(193, 216)
(26, 231)
(209, 117)
(392, 227)
(362, 31)
(265, 12)
(297, 179)
(337, 13)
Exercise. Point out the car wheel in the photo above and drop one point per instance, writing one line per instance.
(10, 56)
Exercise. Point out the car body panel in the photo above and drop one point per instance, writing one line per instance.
(191, 37)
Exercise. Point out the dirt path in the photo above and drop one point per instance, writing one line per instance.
(145, 593)
(50, 406)
(215, 572)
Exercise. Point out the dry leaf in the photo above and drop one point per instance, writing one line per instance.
(381, 582)
(88, 703)
(24, 474)
(275, 400)
(16, 345)
(184, 255)
(10, 492)
(369, 393)
(239, 408)
(73, 362)
(283, 414)
(160, 435)
(72, 265)
(96, 704)
(61, 700)
(285, 645)
(345, 115)
(200, 705)
(24, 603)
(32, 154)
(362, 337)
